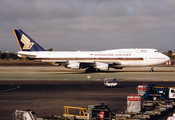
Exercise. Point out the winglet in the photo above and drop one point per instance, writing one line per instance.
(25, 42)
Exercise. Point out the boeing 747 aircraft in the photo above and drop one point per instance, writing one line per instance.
(89, 60)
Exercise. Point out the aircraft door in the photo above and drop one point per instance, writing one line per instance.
(146, 57)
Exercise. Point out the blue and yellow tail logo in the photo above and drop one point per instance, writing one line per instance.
(25, 42)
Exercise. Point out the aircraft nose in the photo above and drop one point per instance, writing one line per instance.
(168, 58)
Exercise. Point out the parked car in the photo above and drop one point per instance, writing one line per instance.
(110, 82)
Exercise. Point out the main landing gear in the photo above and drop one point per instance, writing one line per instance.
(89, 70)
(151, 69)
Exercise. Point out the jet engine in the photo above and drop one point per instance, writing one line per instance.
(74, 66)
(102, 66)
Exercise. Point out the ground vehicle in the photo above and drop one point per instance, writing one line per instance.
(94, 112)
(153, 92)
(101, 112)
(24, 115)
(142, 89)
(110, 82)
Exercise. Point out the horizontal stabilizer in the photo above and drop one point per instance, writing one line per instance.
(26, 55)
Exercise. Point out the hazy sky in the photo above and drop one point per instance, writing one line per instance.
(89, 24)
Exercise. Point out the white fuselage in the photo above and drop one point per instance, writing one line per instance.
(115, 57)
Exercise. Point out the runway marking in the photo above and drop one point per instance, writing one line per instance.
(10, 89)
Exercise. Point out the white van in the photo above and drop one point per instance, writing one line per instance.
(110, 82)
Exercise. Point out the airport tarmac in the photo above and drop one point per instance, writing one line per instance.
(137, 75)
(48, 97)
(46, 92)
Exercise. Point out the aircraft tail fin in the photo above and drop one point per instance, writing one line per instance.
(25, 42)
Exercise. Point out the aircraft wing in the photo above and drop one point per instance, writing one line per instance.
(99, 64)
(26, 55)
(84, 64)
(109, 63)
(55, 62)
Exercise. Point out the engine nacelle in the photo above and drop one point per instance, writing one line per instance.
(74, 66)
(102, 66)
